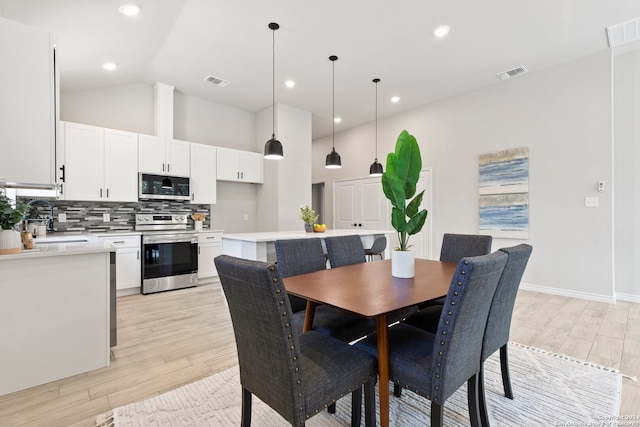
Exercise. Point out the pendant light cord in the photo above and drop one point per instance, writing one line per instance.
(273, 83)
(333, 107)
(377, 120)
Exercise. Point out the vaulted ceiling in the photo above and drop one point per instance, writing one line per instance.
(180, 42)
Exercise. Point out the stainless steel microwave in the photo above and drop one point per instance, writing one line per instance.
(162, 187)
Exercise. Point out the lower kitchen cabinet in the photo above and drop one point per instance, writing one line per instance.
(209, 247)
(128, 263)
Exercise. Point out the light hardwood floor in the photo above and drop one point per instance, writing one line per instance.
(169, 339)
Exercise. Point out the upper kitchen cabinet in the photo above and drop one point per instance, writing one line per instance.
(240, 166)
(98, 164)
(27, 105)
(161, 156)
(203, 174)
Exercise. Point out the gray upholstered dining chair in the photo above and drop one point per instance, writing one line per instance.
(300, 256)
(496, 336)
(436, 365)
(297, 375)
(344, 250)
(378, 247)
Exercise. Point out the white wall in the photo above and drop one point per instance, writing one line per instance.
(627, 174)
(564, 116)
(131, 108)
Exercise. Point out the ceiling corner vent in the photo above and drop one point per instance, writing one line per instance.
(216, 81)
(512, 73)
(625, 32)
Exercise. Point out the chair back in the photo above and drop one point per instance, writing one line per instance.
(344, 250)
(299, 256)
(499, 320)
(379, 245)
(458, 339)
(457, 246)
(268, 348)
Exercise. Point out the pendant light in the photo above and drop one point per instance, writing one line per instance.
(376, 168)
(333, 159)
(273, 147)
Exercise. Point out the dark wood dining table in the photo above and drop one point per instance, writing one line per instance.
(370, 290)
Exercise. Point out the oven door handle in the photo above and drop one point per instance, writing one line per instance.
(169, 239)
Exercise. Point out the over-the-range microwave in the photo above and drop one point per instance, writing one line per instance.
(163, 187)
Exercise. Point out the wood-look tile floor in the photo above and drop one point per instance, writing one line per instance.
(169, 339)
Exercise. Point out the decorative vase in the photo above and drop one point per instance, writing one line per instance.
(308, 228)
(197, 225)
(403, 264)
(10, 242)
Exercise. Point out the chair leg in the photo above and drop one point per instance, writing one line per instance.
(331, 408)
(397, 390)
(246, 408)
(370, 403)
(472, 397)
(482, 400)
(356, 407)
(504, 365)
(437, 418)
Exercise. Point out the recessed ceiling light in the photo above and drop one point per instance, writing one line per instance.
(395, 99)
(441, 31)
(109, 66)
(337, 120)
(289, 83)
(130, 9)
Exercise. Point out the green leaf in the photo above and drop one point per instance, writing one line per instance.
(417, 222)
(414, 205)
(398, 220)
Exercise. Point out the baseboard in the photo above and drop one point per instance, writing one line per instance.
(570, 294)
(627, 297)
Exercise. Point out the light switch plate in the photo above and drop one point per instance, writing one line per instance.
(62, 217)
(106, 217)
(591, 202)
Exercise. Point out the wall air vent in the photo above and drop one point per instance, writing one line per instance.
(511, 73)
(216, 81)
(625, 32)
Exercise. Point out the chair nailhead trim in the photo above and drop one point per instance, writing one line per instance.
(277, 291)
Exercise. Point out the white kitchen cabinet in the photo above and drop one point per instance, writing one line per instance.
(203, 174)
(27, 105)
(98, 164)
(128, 263)
(209, 247)
(161, 156)
(240, 166)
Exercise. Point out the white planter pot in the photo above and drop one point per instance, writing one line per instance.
(10, 242)
(197, 225)
(403, 264)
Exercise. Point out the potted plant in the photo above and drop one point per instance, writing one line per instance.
(10, 241)
(399, 185)
(309, 217)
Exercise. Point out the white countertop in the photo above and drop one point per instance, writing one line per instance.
(272, 236)
(66, 245)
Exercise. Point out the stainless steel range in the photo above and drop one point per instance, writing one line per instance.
(169, 252)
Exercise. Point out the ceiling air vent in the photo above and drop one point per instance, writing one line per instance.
(216, 81)
(512, 73)
(625, 32)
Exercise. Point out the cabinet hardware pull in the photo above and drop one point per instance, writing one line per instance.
(62, 177)
(238, 174)
(101, 193)
(193, 196)
(168, 167)
(138, 254)
(198, 250)
(107, 193)
(242, 175)
(163, 167)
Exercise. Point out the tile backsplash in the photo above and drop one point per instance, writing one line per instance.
(88, 216)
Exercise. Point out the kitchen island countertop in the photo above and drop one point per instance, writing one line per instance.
(272, 236)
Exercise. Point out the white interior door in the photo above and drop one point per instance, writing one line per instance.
(345, 204)
(373, 205)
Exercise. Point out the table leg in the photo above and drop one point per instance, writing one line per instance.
(308, 316)
(383, 369)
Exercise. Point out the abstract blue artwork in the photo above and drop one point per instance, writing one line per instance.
(504, 193)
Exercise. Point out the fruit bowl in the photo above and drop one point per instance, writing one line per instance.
(319, 230)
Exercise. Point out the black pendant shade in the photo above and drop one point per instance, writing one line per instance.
(376, 168)
(333, 158)
(273, 147)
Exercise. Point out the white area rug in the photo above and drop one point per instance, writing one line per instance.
(549, 389)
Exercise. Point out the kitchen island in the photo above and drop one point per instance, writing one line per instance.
(260, 246)
(54, 302)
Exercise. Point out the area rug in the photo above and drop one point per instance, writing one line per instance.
(549, 389)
